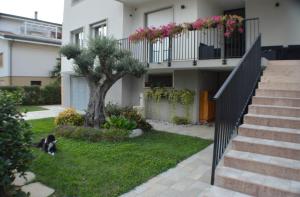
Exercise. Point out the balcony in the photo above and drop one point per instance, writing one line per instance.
(41, 30)
(194, 46)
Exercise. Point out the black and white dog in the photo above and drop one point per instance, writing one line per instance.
(48, 144)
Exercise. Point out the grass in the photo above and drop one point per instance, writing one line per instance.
(31, 108)
(85, 169)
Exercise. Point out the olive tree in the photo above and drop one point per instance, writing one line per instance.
(103, 63)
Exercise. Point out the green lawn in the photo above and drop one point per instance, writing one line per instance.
(107, 169)
(30, 108)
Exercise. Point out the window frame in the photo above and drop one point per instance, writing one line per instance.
(97, 25)
(159, 74)
(73, 37)
(34, 81)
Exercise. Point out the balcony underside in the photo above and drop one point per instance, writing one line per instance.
(134, 2)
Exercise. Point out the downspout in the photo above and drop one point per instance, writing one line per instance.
(10, 62)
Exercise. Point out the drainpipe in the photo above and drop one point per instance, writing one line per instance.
(10, 62)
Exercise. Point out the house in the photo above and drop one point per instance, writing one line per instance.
(29, 49)
(195, 60)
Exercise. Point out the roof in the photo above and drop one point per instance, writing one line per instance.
(11, 36)
(25, 18)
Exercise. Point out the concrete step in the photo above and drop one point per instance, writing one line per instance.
(272, 121)
(270, 133)
(263, 164)
(268, 147)
(256, 184)
(214, 191)
(279, 85)
(283, 63)
(274, 110)
(277, 93)
(269, 78)
(278, 101)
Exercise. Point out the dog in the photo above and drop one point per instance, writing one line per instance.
(48, 145)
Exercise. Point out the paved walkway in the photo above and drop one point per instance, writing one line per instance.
(189, 179)
(202, 131)
(52, 111)
(36, 189)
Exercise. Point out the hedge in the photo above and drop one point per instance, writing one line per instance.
(36, 95)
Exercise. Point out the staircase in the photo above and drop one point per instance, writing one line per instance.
(264, 159)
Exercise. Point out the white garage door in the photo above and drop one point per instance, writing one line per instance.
(159, 50)
(79, 93)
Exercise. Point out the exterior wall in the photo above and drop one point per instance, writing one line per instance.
(5, 49)
(33, 60)
(196, 80)
(208, 8)
(25, 81)
(10, 25)
(4, 81)
(278, 25)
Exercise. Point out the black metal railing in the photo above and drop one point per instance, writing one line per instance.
(233, 98)
(194, 45)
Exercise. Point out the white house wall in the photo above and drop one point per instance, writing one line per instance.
(32, 59)
(278, 25)
(4, 48)
(10, 25)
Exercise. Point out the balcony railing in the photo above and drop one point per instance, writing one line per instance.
(194, 45)
(41, 30)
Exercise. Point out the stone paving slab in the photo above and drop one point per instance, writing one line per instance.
(202, 131)
(189, 178)
(37, 190)
(20, 180)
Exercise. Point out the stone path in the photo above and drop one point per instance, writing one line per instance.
(189, 178)
(36, 189)
(202, 131)
(52, 111)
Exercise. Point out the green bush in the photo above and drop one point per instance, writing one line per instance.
(51, 94)
(69, 117)
(32, 95)
(180, 120)
(35, 95)
(129, 113)
(15, 141)
(120, 122)
(92, 134)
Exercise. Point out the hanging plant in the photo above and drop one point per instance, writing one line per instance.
(230, 22)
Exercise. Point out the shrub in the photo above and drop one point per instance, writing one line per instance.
(51, 94)
(69, 117)
(129, 113)
(35, 95)
(180, 120)
(32, 95)
(92, 134)
(15, 140)
(120, 122)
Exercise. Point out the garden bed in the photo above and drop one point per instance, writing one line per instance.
(82, 168)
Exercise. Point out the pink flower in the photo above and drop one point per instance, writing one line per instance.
(198, 24)
(227, 34)
(241, 30)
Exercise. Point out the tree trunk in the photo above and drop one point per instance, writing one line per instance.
(95, 114)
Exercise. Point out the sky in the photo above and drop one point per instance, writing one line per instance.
(48, 10)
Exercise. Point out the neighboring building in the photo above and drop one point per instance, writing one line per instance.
(28, 50)
(195, 61)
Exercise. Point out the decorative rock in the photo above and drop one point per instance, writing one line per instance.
(37, 190)
(136, 133)
(20, 180)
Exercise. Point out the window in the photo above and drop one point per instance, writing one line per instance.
(78, 37)
(1, 60)
(35, 83)
(159, 80)
(99, 29)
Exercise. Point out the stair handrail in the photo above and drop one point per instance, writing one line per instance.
(231, 107)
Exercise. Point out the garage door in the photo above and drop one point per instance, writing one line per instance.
(159, 50)
(79, 93)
